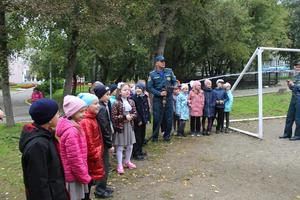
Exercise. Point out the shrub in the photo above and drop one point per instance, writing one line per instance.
(45, 86)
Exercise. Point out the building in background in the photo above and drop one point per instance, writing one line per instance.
(19, 71)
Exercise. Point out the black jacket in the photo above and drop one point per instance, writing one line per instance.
(142, 108)
(42, 169)
(103, 118)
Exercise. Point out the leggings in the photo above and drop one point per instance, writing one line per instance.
(220, 118)
(195, 124)
(127, 155)
(226, 114)
(209, 123)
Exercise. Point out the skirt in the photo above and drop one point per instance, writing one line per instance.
(77, 190)
(126, 137)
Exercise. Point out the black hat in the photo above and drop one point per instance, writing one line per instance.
(101, 90)
(43, 110)
(113, 87)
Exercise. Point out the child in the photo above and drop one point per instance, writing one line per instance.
(123, 114)
(42, 168)
(94, 139)
(143, 117)
(209, 107)
(220, 96)
(196, 103)
(73, 147)
(228, 104)
(113, 90)
(176, 120)
(182, 108)
(36, 95)
(106, 126)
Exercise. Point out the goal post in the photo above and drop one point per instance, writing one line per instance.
(258, 54)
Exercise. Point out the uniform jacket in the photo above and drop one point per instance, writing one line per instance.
(182, 107)
(104, 120)
(228, 102)
(95, 145)
(196, 103)
(296, 86)
(220, 95)
(157, 81)
(118, 116)
(142, 108)
(42, 168)
(73, 151)
(209, 103)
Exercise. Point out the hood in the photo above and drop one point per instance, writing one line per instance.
(31, 131)
(63, 125)
(88, 114)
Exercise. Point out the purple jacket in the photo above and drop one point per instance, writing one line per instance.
(209, 103)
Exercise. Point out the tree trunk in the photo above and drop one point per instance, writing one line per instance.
(162, 39)
(71, 64)
(5, 69)
(74, 88)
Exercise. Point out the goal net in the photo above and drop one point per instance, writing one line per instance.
(260, 71)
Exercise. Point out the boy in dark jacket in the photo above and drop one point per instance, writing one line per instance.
(42, 169)
(143, 117)
(106, 126)
(220, 96)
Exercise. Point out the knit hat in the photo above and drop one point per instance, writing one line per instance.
(43, 110)
(113, 87)
(184, 85)
(227, 85)
(87, 98)
(141, 86)
(220, 81)
(101, 90)
(72, 105)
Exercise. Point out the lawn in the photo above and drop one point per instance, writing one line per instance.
(274, 104)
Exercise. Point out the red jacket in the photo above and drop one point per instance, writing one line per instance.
(94, 145)
(118, 116)
(36, 96)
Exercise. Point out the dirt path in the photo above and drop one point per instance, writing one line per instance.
(219, 167)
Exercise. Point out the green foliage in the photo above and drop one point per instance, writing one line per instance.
(45, 86)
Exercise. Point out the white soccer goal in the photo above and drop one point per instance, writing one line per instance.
(258, 52)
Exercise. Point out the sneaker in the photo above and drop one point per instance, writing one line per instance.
(192, 134)
(120, 169)
(130, 165)
(199, 134)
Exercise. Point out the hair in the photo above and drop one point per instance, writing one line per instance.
(184, 86)
(120, 87)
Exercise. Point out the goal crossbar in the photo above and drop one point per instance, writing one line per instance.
(258, 54)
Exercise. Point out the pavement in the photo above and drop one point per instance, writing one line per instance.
(20, 107)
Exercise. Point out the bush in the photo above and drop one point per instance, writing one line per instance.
(27, 85)
(45, 86)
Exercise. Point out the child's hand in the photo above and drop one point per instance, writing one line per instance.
(111, 150)
(129, 117)
(140, 123)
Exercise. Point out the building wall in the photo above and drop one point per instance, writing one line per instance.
(19, 70)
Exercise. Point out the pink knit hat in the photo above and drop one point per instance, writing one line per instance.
(72, 105)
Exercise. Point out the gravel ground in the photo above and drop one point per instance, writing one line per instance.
(218, 167)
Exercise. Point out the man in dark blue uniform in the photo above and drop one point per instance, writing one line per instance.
(160, 84)
(293, 114)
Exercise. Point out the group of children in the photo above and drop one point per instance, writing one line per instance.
(63, 157)
(206, 103)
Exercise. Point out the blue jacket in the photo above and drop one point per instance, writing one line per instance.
(209, 103)
(159, 80)
(296, 87)
(220, 95)
(182, 108)
(228, 102)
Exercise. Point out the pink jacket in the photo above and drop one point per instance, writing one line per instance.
(196, 103)
(73, 151)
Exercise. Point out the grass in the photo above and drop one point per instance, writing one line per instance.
(274, 104)
(11, 181)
